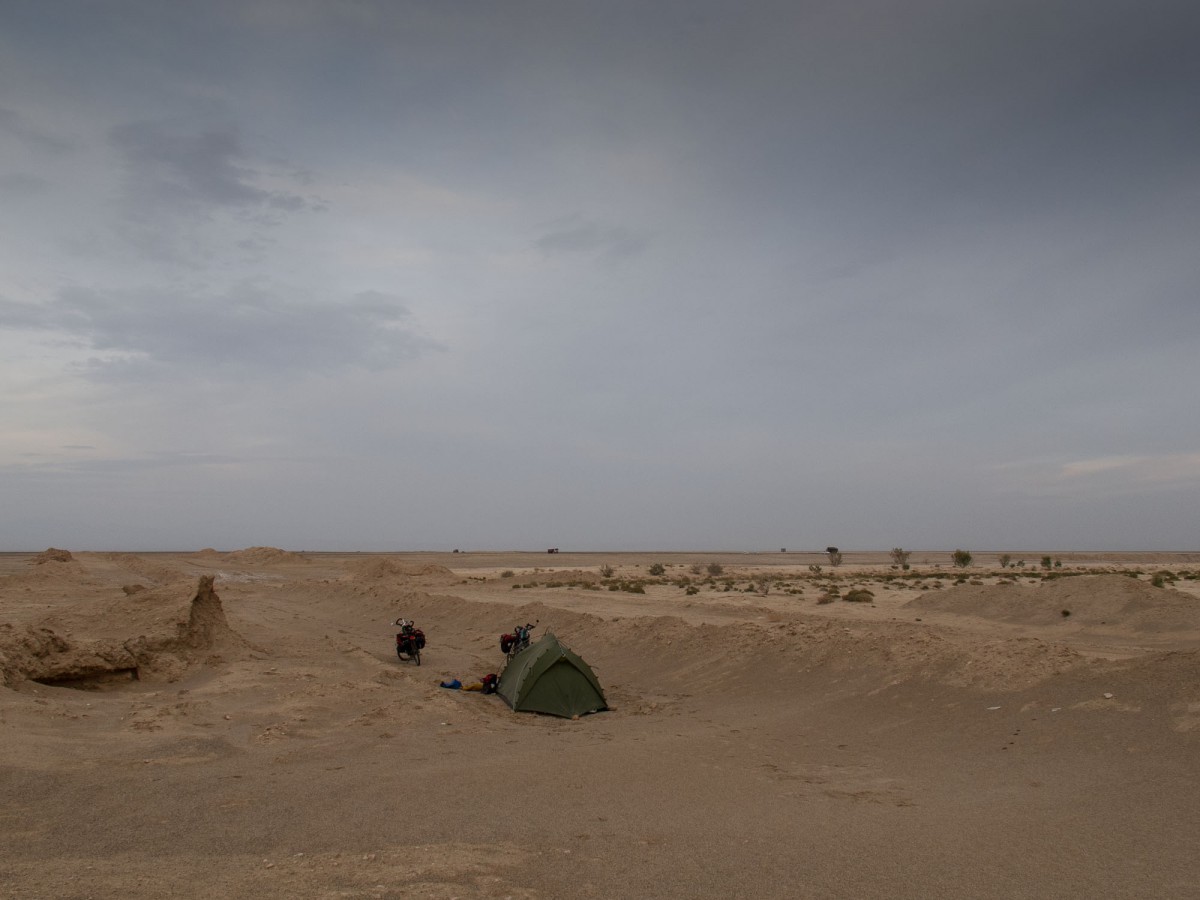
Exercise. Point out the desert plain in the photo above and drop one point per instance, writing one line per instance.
(236, 724)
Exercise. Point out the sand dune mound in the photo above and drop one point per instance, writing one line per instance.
(565, 577)
(1109, 600)
(739, 658)
(744, 658)
(52, 555)
(265, 556)
(151, 635)
(388, 567)
(141, 566)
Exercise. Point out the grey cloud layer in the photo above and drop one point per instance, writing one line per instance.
(750, 271)
(177, 168)
(252, 328)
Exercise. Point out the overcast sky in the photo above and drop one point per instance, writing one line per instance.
(391, 275)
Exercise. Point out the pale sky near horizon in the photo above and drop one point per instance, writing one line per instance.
(623, 275)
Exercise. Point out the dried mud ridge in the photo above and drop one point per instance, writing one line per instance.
(175, 635)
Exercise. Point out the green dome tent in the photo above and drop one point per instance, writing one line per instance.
(547, 677)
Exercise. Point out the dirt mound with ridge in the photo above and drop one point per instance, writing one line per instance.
(1092, 600)
(154, 635)
(389, 567)
(265, 556)
(52, 555)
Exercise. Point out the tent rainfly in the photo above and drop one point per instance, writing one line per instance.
(547, 677)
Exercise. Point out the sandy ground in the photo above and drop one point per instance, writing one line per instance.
(1023, 733)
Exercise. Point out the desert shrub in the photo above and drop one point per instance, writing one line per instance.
(715, 569)
(859, 595)
(1157, 579)
(1005, 559)
(633, 587)
(815, 569)
(657, 569)
(692, 589)
(696, 568)
(507, 573)
(962, 558)
(830, 594)
(900, 556)
(1047, 562)
(835, 556)
(606, 571)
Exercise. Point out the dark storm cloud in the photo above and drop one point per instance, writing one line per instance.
(18, 126)
(894, 123)
(21, 185)
(179, 182)
(575, 236)
(208, 168)
(251, 328)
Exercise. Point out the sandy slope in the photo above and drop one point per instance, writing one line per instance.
(967, 740)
